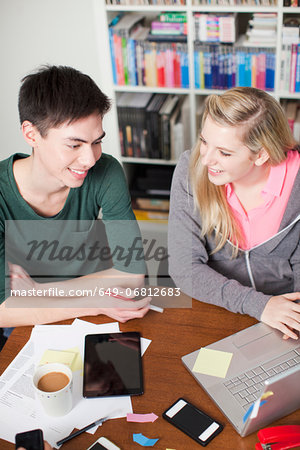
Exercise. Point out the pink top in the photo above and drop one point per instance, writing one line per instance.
(261, 223)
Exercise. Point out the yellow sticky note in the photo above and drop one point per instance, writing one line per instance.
(266, 395)
(77, 363)
(212, 362)
(57, 356)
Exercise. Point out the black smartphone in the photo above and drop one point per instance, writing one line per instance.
(195, 423)
(112, 365)
(31, 440)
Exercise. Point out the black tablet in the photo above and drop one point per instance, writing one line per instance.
(112, 365)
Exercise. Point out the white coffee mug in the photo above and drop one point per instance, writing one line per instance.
(57, 403)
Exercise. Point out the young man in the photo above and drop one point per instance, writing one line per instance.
(60, 189)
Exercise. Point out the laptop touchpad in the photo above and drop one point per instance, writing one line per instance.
(253, 339)
(250, 334)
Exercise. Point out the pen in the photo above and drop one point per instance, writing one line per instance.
(112, 294)
(77, 433)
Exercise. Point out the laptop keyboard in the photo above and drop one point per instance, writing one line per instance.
(246, 387)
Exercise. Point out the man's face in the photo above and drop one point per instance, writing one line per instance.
(67, 152)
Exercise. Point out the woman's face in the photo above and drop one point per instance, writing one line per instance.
(227, 159)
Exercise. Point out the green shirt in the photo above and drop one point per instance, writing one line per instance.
(68, 236)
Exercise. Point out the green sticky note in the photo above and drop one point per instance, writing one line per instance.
(212, 362)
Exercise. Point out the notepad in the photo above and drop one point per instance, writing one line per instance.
(212, 362)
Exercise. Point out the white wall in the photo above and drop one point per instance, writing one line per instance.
(60, 32)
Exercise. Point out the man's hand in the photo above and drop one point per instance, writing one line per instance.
(123, 310)
(20, 279)
(283, 313)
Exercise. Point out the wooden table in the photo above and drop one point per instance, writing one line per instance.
(174, 333)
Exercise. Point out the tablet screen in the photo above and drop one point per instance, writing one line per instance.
(112, 365)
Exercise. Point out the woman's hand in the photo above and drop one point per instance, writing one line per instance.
(283, 313)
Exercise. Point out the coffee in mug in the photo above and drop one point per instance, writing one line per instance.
(53, 387)
(53, 381)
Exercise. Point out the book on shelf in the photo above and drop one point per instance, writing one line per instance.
(176, 132)
(131, 111)
(167, 38)
(153, 125)
(234, 3)
(140, 62)
(215, 27)
(151, 204)
(151, 208)
(165, 113)
(151, 215)
(262, 30)
(168, 28)
(168, 120)
(224, 66)
(146, 2)
(290, 68)
(290, 31)
(180, 17)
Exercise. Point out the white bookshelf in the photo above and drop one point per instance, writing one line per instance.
(107, 12)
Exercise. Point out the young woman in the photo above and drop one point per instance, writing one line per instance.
(234, 225)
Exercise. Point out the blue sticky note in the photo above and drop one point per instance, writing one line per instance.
(249, 411)
(143, 440)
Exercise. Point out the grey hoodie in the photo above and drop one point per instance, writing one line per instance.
(243, 284)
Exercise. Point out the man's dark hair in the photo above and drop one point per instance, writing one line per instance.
(56, 94)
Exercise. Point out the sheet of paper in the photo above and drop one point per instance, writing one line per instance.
(212, 362)
(17, 400)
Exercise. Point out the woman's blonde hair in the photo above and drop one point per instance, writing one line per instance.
(265, 126)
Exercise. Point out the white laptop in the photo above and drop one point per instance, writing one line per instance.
(262, 363)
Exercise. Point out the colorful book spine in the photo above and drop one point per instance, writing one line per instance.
(297, 80)
(201, 69)
(125, 59)
(197, 68)
(170, 79)
(184, 62)
(119, 58)
(167, 28)
(270, 71)
(176, 67)
(293, 67)
(112, 55)
(254, 73)
(131, 61)
(173, 17)
(160, 63)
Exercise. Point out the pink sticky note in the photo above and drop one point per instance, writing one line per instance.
(142, 418)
